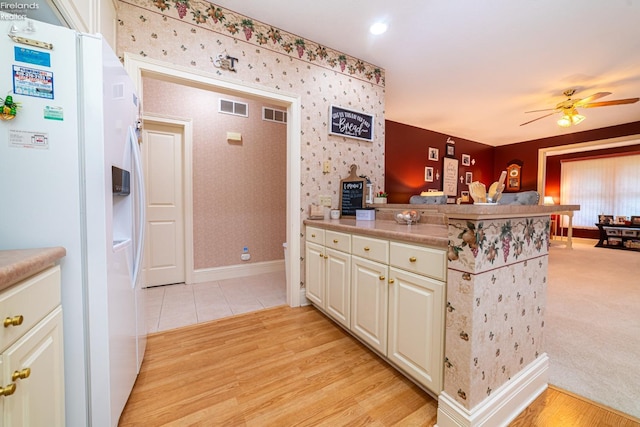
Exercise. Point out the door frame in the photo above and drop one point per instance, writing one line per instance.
(138, 66)
(186, 126)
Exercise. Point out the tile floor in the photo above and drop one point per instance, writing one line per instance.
(173, 306)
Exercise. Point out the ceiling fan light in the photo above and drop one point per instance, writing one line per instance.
(565, 121)
(577, 119)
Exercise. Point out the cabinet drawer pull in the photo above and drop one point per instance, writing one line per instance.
(366, 249)
(412, 259)
(392, 281)
(313, 235)
(321, 256)
(21, 374)
(13, 321)
(8, 390)
(382, 277)
(325, 257)
(335, 240)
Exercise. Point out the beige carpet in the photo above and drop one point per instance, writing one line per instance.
(592, 323)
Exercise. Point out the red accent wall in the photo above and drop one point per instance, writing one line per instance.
(406, 156)
(527, 152)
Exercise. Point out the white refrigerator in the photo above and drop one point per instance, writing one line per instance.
(70, 176)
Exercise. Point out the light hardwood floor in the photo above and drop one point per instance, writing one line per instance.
(294, 367)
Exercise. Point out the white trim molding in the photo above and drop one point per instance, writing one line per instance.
(233, 271)
(504, 405)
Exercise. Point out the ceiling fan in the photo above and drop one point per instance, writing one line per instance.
(570, 115)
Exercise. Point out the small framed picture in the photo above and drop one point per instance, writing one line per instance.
(621, 219)
(466, 160)
(468, 177)
(464, 195)
(451, 150)
(428, 174)
(433, 154)
(605, 219)
(635, 220)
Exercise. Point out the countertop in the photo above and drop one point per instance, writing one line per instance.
(423, 233)
(471, 211)
(18, 264)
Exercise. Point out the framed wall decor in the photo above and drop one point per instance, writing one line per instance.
(428, 174)
(451, 150)
(635, 220)
(450, 177)
(433, 154)
(466, 160)
(468, 178)
(350, 124)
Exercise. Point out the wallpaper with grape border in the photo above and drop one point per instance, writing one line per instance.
(496, 295)
(191, 33)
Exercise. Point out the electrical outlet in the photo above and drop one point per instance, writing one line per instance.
(325, 201)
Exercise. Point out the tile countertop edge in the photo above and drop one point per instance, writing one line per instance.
(18, 264)
(428, 234)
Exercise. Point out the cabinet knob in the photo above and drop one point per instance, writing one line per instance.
(8, 390)
(382, 277)
(13, 321)
(313, 235)
(412, 259)
(335, 240)
(325, 257)
(321, 256)
(366, 249)
(392, 281)
(21, 374)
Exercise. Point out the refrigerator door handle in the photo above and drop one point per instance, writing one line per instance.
(142, 204)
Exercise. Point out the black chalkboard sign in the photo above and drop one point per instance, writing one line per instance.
(352, 193)
(352, 124)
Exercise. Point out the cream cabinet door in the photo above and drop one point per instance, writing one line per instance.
(416, 327)
(369, 300)
(337, 290)
(35, 365)
(314, 275)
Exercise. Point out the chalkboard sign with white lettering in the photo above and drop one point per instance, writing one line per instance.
(351, 124)
(352, 193)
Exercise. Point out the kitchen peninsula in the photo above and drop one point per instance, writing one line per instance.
(381, 281)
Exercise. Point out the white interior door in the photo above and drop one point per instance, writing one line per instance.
(162, 154)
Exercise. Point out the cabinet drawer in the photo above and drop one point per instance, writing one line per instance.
(373, 249)
(33, 299)
(419, 259)
(315, 235)
(338, 241)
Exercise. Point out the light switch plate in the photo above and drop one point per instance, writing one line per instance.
(325, 201)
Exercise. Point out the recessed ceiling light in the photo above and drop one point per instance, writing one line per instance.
(378, 28)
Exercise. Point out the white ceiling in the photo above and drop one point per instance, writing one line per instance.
(470, 69)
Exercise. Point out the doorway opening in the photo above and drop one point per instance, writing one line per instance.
(139, 67)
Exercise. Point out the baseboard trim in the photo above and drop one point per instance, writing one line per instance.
(240, 270)
(504, 405)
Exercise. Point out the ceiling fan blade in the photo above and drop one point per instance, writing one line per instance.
(588, 99)
(607, 103)
(544, 109)
(542, 117)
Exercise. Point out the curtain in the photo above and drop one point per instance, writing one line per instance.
(604, 185)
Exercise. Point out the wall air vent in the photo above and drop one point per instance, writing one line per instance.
(233, 107)
(273, 115)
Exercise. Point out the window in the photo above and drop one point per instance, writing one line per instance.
(273, 115)
(233, 107)
(605, 185)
